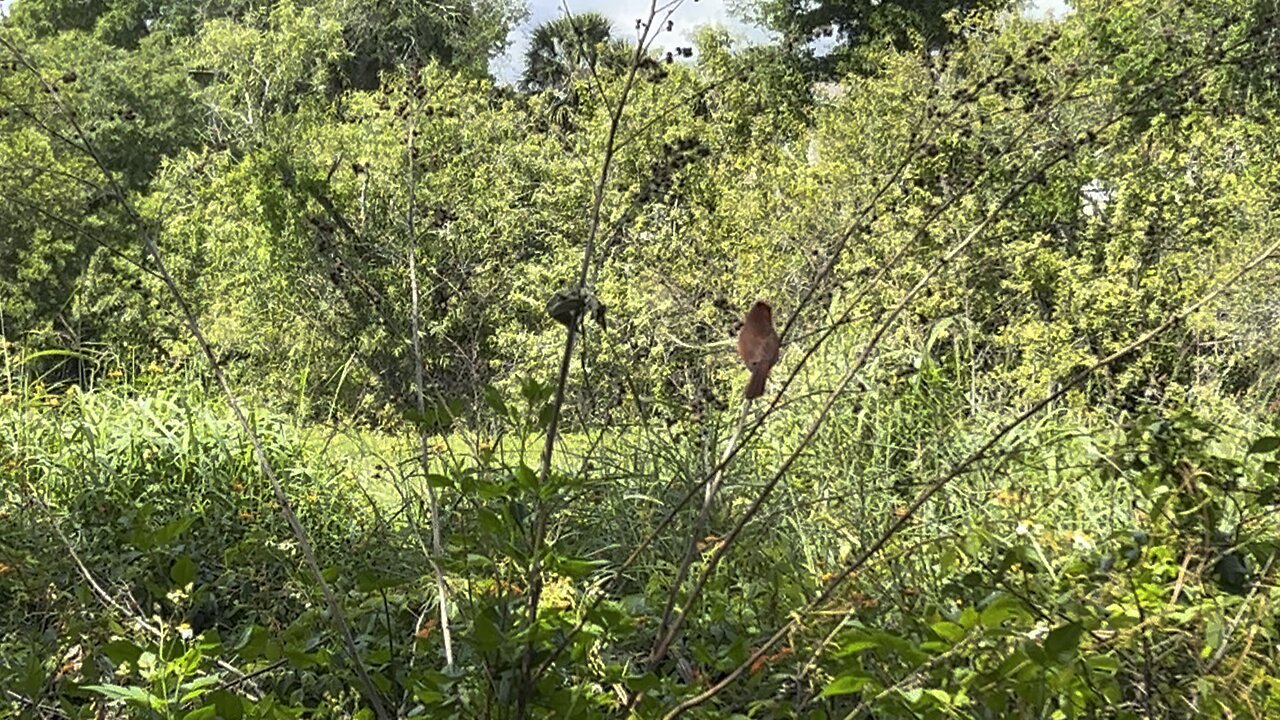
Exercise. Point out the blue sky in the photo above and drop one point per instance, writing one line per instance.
(688, 17)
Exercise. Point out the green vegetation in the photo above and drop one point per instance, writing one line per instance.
(341, 380)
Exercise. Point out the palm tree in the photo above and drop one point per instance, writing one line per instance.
(569, 46)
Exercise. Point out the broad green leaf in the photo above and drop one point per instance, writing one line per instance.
(486, 634)
(1267, 444)
(122, 651)
(202, 713)
(228, 704)
(183, 571)
(948, 631)
(494, 399)
(998, 610)
(845, 684)
(1061, 642)
(857, 646)
(198, 687)
(132, 695)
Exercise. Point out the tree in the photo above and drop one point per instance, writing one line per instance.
(67, 248)
(379, 34)
(855, 23)
(564, 48)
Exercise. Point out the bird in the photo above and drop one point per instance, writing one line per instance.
(758, 346)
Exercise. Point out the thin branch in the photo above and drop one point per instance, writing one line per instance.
(820, 419)
(1030, 178)
(908, 156)
(542, 511)
(696, 533)
(415, 314)
(962, 467)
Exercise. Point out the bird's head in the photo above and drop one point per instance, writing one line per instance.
(761, 312)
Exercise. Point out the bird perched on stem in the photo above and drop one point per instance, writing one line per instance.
(758, 346)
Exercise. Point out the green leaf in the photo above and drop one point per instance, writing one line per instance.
(525, 478)
(936, 333)
(1061, 642)
(1270, 495)
(533, 391)
(122, 651)
(845, 684)
(998, 610)
(609, 617)
(254, 643)
(435, 417)
(368, 581)
(490, 521)
(575, 568)
(183, 572)
(1107, 664)
(493, 398)
(545, 415)
(644, 683)
(427, 419)
(301, 660)
(229, 705)
(1266, 444)
(941, 696)
(197, 688)
(438, 481)
(857, 646)
(33, 676)
(132, 695)
(486, 633)
(948, 631)
(202, 713)
(163, 535)
(172, 530)
(477, 561)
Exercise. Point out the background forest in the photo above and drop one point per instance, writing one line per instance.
(339, 379)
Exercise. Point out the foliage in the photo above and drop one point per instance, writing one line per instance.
(569, 48)
(69, 262)
(841, 28)
(379, 35)
(962, 235)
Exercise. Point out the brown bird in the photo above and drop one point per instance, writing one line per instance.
(758, 346)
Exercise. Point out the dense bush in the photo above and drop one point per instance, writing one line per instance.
(1022, 460)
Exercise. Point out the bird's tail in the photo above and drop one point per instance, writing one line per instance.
(755, 386)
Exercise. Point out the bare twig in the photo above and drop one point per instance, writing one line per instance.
(1035, 175)
(419, 397)
(542, 510)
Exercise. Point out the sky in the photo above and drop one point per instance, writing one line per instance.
(691, 15)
